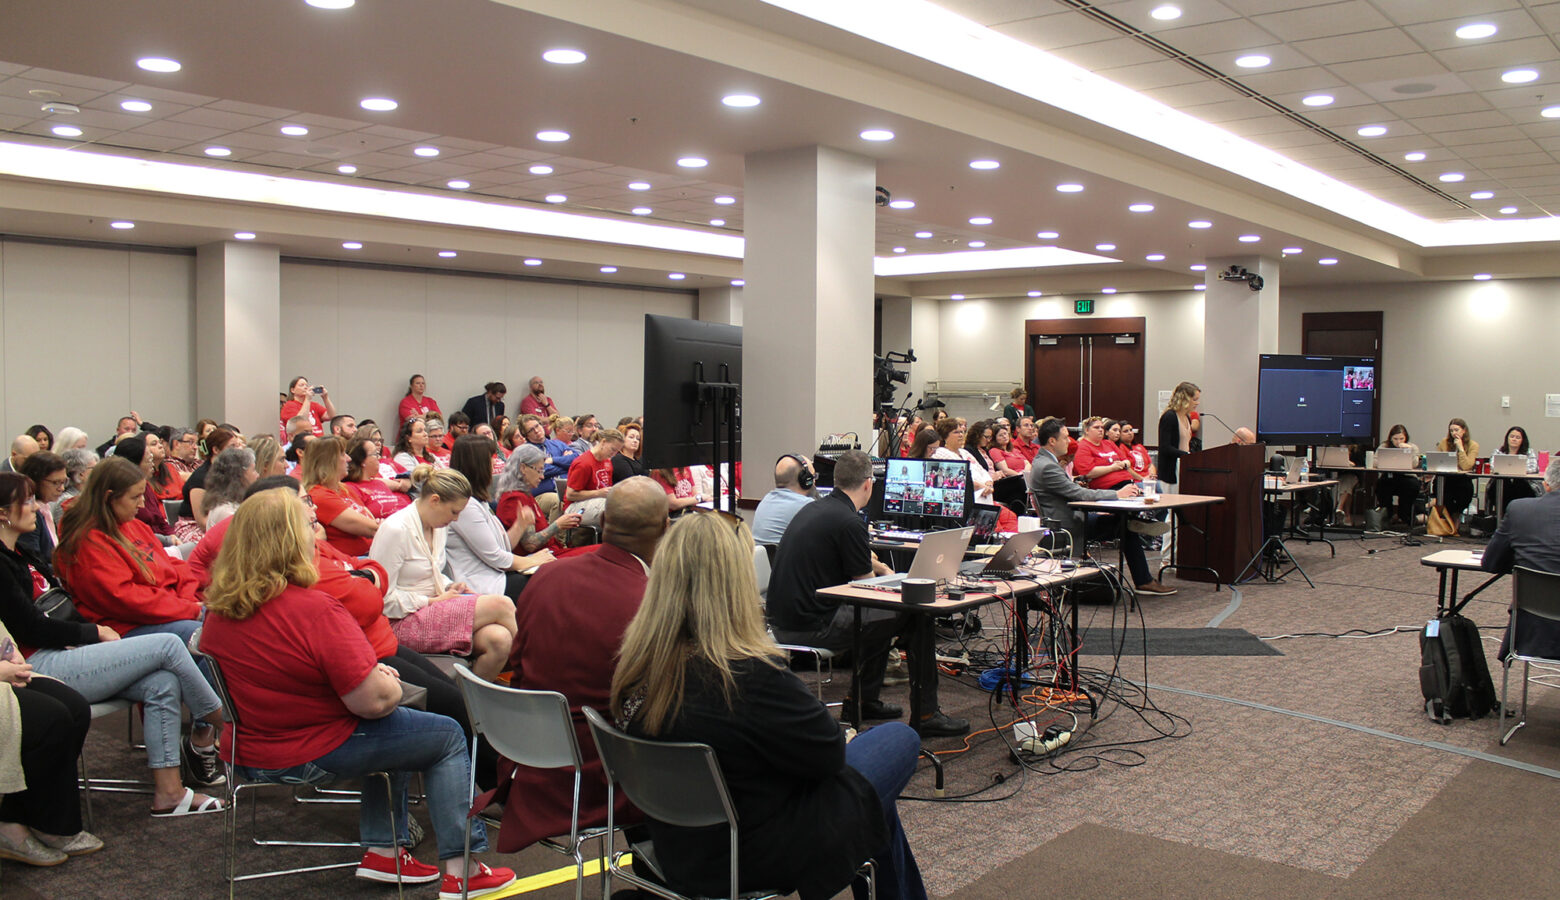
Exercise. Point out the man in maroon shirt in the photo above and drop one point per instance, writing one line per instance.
(537, 403)
(571, 624)
(1024, 438)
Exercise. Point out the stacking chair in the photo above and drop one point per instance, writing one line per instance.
(236, 785)
(530, 728)
(110, 785)
(761, 569)
(676, 783)
(1537, 594)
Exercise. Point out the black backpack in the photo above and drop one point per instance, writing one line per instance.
(1453, 674)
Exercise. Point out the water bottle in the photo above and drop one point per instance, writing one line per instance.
(1305, 469)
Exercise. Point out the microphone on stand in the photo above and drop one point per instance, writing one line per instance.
(1210, 415)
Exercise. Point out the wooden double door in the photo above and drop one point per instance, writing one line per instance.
(1078, 368)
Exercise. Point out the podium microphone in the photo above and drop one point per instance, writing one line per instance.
(1217, 419)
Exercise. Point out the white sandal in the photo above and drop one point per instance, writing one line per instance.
(188, 807)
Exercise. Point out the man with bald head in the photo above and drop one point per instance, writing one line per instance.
(793, 490)
(571, 624)
(1243, 435)
(22, 447)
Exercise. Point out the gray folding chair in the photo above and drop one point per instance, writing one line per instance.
(676, 783)
(530, 728)
(110, 785)
(1538, 595)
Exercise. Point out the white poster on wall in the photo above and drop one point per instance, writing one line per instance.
(1164, 399)
(1552, 406)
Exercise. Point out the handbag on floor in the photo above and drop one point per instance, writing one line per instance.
(1438, 522)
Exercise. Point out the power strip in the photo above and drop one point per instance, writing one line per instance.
(1053, 739)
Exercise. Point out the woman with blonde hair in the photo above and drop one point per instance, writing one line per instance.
(427, 611)
(1176, 432)
(698, 665)
(317, 705)
(349, 524)
(268, 456)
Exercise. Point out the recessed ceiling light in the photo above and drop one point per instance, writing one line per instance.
(1048, 235)
(985, 164)
(351, 245)
(1327, 261)
(738, 282)
(1293, 251)
(1166, 13)
(676, 276)
(1107, 290)
(1372, 131)
(135, 106)
(980, 220)
(1507, 210)
(693, 162)
(552, 137)
(1415, 156)
(923, 235)
(347, 170)
(378, 104)
(533, 262)
(641, 210)
(1451, 177)
(122, 226)
(159, 64)
(1476, 31)
(556, 198)
(218, 151)
(1253, 61)
(977, 244)
(639, 185)
(609, 270)
(1519, 76)
(1249, 238)
(1550, 112)
(1319, 100)
(899, 249)
(457, 184)
(1141, 208)
(1199, 287)
(1155, 257)
(1104, 248)
(447, 254)
(1199, 223)
(66, 130)
(740, 101)
(1481, 195)
(901, 204)
(243, 235)
(541, 170)
(1069, 188)
(955, 296)
(1483, 276)
(1034, 293)
(331, 4)
(1198, 267)
(564, 56)
(718, 222)
(877, 134)
(294, 130)
(725, 201)
(426, 152)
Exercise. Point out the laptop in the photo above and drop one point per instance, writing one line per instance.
(937, 558)
(1396, 459)
(1005, 560)
(1292, 469)
(1509, 464)
(1334, 458)
(1440, 461)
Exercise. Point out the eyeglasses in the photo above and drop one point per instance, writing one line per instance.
(57, 482)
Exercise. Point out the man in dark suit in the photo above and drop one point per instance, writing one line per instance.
(1052, 490)
(1529, 536)
(486, 406)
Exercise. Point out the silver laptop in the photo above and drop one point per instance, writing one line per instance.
(1292, 469)
(1440, 461)
(1008, 558)
(1396, 459)
(1509, 464)
(937, 558)
(1334, 458)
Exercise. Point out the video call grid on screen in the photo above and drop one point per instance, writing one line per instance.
(926, 487)
(1315, 399)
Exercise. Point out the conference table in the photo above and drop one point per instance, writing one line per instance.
(1448, 565)
(1440, 481)
(1265, 563)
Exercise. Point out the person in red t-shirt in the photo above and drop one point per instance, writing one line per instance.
(537, 403)
(1098, 461)
(1007, 458)
(590, 477)
(1131, 444)
(365, 474)
(301, 405)
(316, 704)
(414, 404)
(522, 472)
(349, 524)
(681, 489)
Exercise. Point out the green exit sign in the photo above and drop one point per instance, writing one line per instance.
(1083, 307)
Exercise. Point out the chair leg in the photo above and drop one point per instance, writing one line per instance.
(86, 788)
(1522, 713)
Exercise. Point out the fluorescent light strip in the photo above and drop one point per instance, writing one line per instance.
(80, 167)
(982, 260)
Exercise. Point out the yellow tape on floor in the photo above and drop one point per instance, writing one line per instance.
(548, 879)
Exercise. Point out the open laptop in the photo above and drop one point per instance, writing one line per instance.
(1334, 458)
(1509, 464)
(1396, 459)
(1293, 466)
(1006, 560)
(1440, 461)
(937, 558)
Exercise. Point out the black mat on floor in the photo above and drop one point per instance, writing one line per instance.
(1178, 642)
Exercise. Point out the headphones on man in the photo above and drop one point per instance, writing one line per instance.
(804, 477)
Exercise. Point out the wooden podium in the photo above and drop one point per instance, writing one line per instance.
(1233, 528)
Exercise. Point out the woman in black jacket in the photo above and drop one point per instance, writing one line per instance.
(1176, 432)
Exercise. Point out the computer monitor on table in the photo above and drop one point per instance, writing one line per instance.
(924, 494)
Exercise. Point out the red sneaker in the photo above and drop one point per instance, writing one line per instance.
(382, 868)
(483, 881)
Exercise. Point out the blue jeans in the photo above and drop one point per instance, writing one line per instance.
(184, 629)
(886, 757)
(154, 669)
(403, 742)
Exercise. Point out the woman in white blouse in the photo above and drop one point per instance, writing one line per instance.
(428, 612)
(980, 476)
(479, 546)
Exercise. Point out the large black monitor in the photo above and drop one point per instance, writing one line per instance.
(1316, 399)
(693, 400)
(925, 493)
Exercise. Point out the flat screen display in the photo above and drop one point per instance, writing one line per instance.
(1316, 399)
(935, 488)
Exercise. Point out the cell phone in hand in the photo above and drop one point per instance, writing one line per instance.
(319, 389)
(6, 647)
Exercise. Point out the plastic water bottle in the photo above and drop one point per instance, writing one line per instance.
(1305, 469)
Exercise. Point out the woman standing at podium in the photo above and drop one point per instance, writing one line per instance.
(1175, 433)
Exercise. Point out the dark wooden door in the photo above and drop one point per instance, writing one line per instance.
(1085, 367)
(1056, 379)
(1115, 376)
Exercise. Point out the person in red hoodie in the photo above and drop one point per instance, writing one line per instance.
(115, 567)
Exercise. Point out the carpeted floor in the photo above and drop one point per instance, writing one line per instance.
(1313, 773)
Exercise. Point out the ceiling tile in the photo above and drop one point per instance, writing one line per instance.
(1185, 95)
(1214, 38)
(81, 82)
(1323, 20)
(1115, 52)
(1513, 22)
(216, 118)
(1359, 46)
(1462, 121)
(1438, 105)
(284, 160)
(1497, 161)
(1145, 76)
(1390, 68)
(188, 132)
(403, 134)
(1297, 81)
(1503, 53)
(1479, 136)
(1057, 30)
(251, 109)
(146, 141)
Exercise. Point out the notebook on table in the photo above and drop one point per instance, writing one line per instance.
(937, 558)
(1440, 461)
(1397, 459)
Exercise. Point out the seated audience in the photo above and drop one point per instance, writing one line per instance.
(137, 449)
(42, 435)
(78, 465)
(300, 404)
(481, 548)
(127, 425)
(349, 524)
(168, 479)
(697, 665)
(794, 480)
(415, 405)
(344, 427)
(628, 462)
(45, 473)
(269, 457)
(681, 486)
(591, 476)
(192, 515)
(488, 405)
(183, 454)
(926, 444)
(1138, 458)
(559, 457)
(459, 424)
(1009, 461)
(21, 448)
(517, 508)
(428, 612)
(411, 448)
(317, 706)
(1024, 435)
(71, 438)
(982, 469)
(1098, 461)
(436, 447)
(951, 434)
(231, 473)
(365, 473)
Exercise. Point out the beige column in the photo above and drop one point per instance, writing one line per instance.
(238, 335)
(1238, 325)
